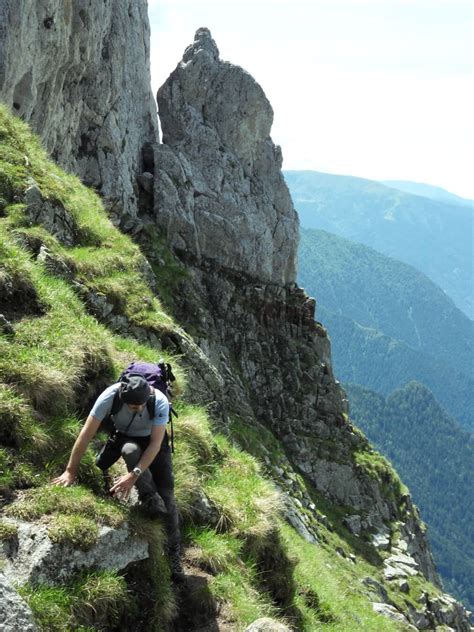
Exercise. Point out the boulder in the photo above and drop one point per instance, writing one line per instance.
(267, 625)
(15, 614)
(37, 559)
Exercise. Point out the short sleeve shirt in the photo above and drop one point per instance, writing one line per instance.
(141, 424)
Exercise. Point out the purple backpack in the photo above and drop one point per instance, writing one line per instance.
(158, 375)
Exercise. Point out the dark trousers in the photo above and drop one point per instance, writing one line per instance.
(157, 478)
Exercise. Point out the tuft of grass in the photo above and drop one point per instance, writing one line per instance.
(51, 606)
(101, 600)
(7, 531)
(214, 552)
(237, 588)
(47, 500)
(247, 503)
(77, 531)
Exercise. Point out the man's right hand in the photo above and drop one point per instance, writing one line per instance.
(65, 480)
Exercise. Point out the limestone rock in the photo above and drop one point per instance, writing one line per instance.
(78, 72)
(53, 216)
(37, 559)
(381, 539)
(14, 612)
(267, 625)
(354, 524)
(219, 191)
(392, 613)
(377, 588)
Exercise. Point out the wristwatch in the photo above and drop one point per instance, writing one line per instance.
(137, 471)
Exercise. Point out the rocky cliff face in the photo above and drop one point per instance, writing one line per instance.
(78, 72)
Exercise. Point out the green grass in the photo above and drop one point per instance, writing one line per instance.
(75, 530)
(96, 601)
(212, 551)
(7, 531)
(75, 500)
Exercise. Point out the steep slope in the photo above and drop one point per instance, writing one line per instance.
(61, 253)
(434, 456)
(389, 324)
(432, 236)
(259, 335)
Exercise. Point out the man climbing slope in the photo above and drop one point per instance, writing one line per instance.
(139, 414)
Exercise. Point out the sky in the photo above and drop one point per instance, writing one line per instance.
(380, 89)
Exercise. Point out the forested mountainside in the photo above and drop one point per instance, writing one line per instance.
(434, 457)
(389, 324)
(382, 293)
(287, 512)
(432, 236)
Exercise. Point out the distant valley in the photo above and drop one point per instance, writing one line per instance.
(388, 323)
(433, 236)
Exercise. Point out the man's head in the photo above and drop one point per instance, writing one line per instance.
(135, 391)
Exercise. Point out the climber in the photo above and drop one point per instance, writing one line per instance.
(140, 438)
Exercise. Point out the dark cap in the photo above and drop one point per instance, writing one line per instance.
(134, 390)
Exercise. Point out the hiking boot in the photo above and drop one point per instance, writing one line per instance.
(177, 572)
(154, 505)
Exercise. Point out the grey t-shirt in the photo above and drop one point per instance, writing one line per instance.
(142, 423)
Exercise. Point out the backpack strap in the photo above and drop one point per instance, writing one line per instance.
(116, 404)
(150, 406)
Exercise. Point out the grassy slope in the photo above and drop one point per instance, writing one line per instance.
(254, 564)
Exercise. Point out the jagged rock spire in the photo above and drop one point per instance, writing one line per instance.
(202, 42)
(219, 192)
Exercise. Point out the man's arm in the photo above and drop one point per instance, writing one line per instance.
(86, 435)
(125, 483)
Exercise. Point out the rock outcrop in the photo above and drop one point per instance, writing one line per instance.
(14, 612)
(35, 558)
(219, 191)
(78, 72)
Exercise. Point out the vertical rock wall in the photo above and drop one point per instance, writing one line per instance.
(78, 72)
